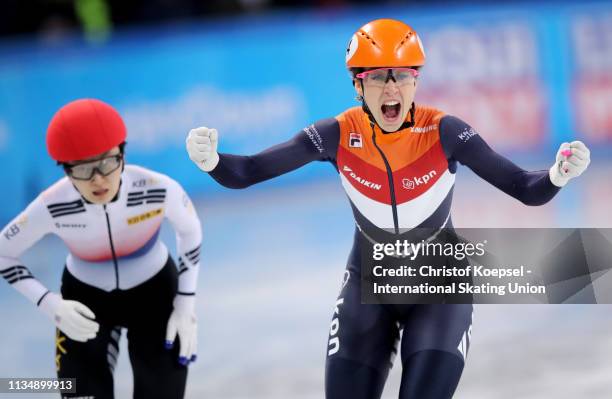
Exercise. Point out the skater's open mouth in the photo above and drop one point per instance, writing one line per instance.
(101, 192)
(391, 109)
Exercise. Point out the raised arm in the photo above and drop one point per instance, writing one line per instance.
(317, 142)
(463, 144)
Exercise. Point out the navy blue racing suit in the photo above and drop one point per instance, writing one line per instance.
(395, 182)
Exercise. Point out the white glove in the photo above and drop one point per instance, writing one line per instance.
(572, 159)
(184, 322)
(202, 147)
(73, 318)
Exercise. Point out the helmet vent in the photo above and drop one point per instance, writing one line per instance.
(407, 37)
(368, 38)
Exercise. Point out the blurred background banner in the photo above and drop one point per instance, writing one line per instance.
(591, 86)
(525, 78)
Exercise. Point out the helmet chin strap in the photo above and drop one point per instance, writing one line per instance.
(366, 109)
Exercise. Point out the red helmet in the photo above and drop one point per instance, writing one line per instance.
(84, 128)
(385, 43)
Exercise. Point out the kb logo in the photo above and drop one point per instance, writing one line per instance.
(15, 228)
(12, 231)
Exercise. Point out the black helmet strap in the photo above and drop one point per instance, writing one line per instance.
(366, 109)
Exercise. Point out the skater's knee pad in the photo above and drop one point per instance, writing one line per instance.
(430, 374)
(346, 378)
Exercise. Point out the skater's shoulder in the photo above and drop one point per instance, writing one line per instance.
(139, 177)
(59, 192)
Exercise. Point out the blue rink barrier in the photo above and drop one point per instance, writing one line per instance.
(527, 77)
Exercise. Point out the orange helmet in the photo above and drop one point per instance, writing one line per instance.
(385, 43)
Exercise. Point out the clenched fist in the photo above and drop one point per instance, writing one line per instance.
(572, 159)
(202, 147)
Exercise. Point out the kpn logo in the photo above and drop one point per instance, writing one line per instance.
(409, 183)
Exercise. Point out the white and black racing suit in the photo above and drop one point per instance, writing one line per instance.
(119, 268)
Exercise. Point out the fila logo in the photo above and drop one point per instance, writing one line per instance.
(355, 140)
(410, 184)
(363, 181)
